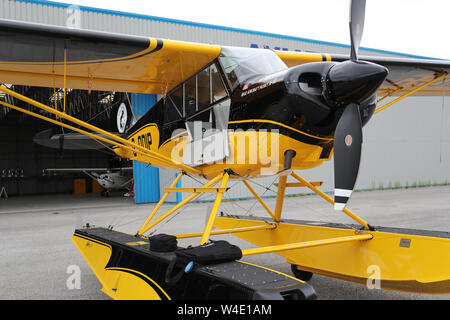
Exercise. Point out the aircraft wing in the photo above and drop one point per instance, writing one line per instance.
(50, 56)
(69, 170)
(88, 169)
(68, 141)
(91, 172)
(404, 74)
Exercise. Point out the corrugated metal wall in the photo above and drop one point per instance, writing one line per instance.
(403, 145)
(120, 22)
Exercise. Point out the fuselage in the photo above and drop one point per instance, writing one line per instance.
(115, 180)
(268, 108)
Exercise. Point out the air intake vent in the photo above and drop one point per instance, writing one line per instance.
(311, 83)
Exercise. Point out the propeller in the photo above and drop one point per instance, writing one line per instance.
(357, 17)
(340, 97)
(347, 154)
(347, 77)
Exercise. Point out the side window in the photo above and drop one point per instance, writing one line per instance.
(190, 96)
(191, 99)
(229, 67)
(218, 89)
(173, 105)
(204, 88)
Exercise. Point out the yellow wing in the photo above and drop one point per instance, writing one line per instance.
(50, 56)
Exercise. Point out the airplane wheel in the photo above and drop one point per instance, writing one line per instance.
(300, 274)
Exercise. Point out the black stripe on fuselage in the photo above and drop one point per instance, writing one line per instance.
(260, 126)
(281, 129)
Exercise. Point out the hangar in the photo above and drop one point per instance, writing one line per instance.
(421, 136)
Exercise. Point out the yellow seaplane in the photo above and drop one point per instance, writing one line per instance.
(229, 113)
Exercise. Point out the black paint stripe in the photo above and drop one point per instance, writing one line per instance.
(340, 199)
(257, 126)
(159, 46)
(160, 293)
(47, 44)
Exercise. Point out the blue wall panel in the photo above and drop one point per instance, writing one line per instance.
(146, 183)
(142, 103)
(146, 178)
(179, 194)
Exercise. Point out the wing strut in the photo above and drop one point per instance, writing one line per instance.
(91, 135)
(111, 138)
(437, 78)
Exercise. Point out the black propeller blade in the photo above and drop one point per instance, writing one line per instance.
(348, 134)
(347, 154)
(349, 92)
(357, 17)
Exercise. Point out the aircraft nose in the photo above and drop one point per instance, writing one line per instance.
(353, 81)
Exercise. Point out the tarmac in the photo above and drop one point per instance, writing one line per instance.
(38, 259)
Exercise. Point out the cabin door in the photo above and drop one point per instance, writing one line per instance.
(208, 135)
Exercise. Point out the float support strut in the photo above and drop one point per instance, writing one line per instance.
(147, 227)
(307, 244)
(330, 200)
(215, 208)
(261, 201)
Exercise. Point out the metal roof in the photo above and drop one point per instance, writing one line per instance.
(213, 27)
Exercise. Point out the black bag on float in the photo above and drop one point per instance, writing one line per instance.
(163, 243)
(213, 252)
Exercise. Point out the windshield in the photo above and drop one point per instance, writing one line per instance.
(240, 64)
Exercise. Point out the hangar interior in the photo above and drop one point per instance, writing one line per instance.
(22, 161)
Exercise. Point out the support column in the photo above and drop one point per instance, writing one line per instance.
(179, 195)
(280, 198)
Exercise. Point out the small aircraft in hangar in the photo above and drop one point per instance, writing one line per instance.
(111, 179)
(118, 176)
(313, 105)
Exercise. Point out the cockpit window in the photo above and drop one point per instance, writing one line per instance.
(240, 64)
